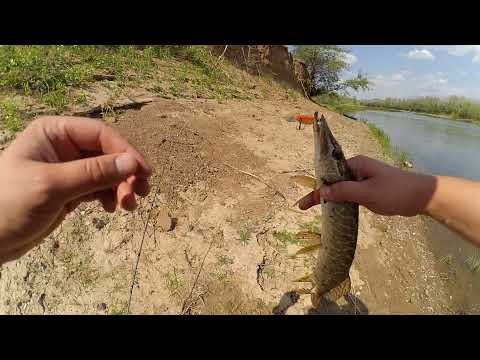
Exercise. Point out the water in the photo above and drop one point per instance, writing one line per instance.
(443, 147)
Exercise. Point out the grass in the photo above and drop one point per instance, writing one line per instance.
(174, 282)
(402, 157)
(382, 138)
(313, 226)
(11, 116)
(337, 103)
(455, 107)
(473, 261)
(447, 259)
(244, 237)
(285, 237)
(81, 99)
(224, 260)
(49, 72)
(118, 311)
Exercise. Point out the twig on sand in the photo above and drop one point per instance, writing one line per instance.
(257, 178)
(291, 171)
(187, 304)
(152, 204)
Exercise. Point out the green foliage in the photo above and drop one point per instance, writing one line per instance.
(325, 64)
(244, 237)
(338, 103)
(383, 139)
(285, 237)
(118, 311)
(313, 226)
(57, 98)
(473, 261)
(457, 107)
(402, 157)
(174, 282)
(48, 72)
(11, 116)
(81, 99)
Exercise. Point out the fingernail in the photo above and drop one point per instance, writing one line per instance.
(126, 164)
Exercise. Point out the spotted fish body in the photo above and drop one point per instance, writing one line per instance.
(339, 220)
(338, 241)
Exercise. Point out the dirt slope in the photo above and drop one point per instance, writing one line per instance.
(229, 250)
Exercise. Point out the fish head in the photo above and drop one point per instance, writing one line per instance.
(330, 163)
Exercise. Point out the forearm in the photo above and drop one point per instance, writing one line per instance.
(456, 203)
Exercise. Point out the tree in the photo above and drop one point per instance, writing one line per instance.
(325, 64)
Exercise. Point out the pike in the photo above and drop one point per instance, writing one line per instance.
(337, 244)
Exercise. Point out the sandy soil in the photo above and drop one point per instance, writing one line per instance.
(228, 251)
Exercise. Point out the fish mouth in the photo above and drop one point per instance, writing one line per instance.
(321, 133)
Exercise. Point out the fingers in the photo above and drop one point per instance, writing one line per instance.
(364, 167)
(345, 191)
(126, 196)
(73, 136)
(93, 135)
(81, 177)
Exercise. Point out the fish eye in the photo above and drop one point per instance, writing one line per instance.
(336, 153)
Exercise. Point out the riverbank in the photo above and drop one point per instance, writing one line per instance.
(230, 236)
(454, 107)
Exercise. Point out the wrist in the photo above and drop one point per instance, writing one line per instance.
(424, 194)
(432, 200)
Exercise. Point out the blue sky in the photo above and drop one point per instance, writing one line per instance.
(409, 71)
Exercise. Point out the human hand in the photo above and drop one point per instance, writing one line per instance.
(55, 164)
(381, 188)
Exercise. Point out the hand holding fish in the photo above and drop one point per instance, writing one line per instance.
(383, 189)
(387, 190)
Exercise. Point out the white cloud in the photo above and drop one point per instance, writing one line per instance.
(403, 86)
(398, 77)
(350, 59)
(423, 54)
(460, 50)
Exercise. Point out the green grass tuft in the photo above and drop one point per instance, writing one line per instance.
(313, 226)
(285, 237)
(382, 138)
(244, 237)
(473, 261)
(11, 116)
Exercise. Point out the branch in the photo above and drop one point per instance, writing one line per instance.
(259, 179)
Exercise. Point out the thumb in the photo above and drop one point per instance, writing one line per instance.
(82, 177)
(348, 191)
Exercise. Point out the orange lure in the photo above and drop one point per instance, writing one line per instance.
(303, 119)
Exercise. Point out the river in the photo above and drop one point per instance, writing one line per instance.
(442, 147)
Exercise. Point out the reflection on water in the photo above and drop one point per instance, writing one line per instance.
(443, 147)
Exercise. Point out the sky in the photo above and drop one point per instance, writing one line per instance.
(417, 70)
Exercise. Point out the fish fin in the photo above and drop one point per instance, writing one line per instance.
(291, 119)
(306, 250)
(306, 278)
(304, 180)
(308, 237)
(334, 294)
(304, 291)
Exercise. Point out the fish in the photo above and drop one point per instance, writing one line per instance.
(338, 241)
